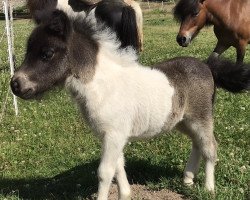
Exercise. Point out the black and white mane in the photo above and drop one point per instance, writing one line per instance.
(105, 37)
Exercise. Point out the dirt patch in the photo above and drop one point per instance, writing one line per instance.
(140, 192)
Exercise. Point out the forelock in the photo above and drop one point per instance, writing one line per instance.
(184, 8)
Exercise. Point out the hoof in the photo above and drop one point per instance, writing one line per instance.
(210, 188)
(127, 197)
(188, 181)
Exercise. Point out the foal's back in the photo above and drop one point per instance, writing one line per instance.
(187, 73)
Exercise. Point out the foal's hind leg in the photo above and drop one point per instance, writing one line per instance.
(204, 143)
(192, 166)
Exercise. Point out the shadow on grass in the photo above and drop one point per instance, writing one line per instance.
(81, 181)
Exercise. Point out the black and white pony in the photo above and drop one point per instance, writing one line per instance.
(122, 100)
(122, 16)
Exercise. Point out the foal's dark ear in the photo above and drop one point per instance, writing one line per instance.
(59, 24)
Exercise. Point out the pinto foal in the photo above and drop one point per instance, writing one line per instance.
(122, 100)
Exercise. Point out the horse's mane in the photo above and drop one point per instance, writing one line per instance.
(184, 8)
(106, 38)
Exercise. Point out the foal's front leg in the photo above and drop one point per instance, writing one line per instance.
(121, 177)
(204, 144)
(112, 148)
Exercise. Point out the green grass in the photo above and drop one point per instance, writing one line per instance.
(48, 152)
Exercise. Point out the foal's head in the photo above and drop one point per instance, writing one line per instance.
(45, 62)
(192, 15)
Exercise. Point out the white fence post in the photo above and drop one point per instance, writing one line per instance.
(10, 46)
(148, 5)
(12, 31)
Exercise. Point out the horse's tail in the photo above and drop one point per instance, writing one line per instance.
(128, 32)
(230, 76)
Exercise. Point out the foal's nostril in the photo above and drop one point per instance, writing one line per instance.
(21, 86)
(15, 86)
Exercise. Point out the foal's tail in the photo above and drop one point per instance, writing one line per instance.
(128, 32)
(230, 76)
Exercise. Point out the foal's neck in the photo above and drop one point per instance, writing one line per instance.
(82, 56)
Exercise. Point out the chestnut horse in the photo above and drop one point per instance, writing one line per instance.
(231, 20)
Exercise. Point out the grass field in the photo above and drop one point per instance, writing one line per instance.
(48, 152)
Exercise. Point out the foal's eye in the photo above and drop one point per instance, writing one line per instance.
(47, 55)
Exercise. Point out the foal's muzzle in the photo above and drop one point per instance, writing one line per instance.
(22, 87)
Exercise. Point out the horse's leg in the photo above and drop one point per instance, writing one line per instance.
(139, 19)
(204, 143)
(218, 50)
(241, 49)
(121, 177)
(140, 28)
(112, 148)
(192, 165)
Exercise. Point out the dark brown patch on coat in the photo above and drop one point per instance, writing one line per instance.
(84, 50)
(194, 87)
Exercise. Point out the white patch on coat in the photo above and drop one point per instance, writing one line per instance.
(123, 96)
(64, 6)
(188, 36)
